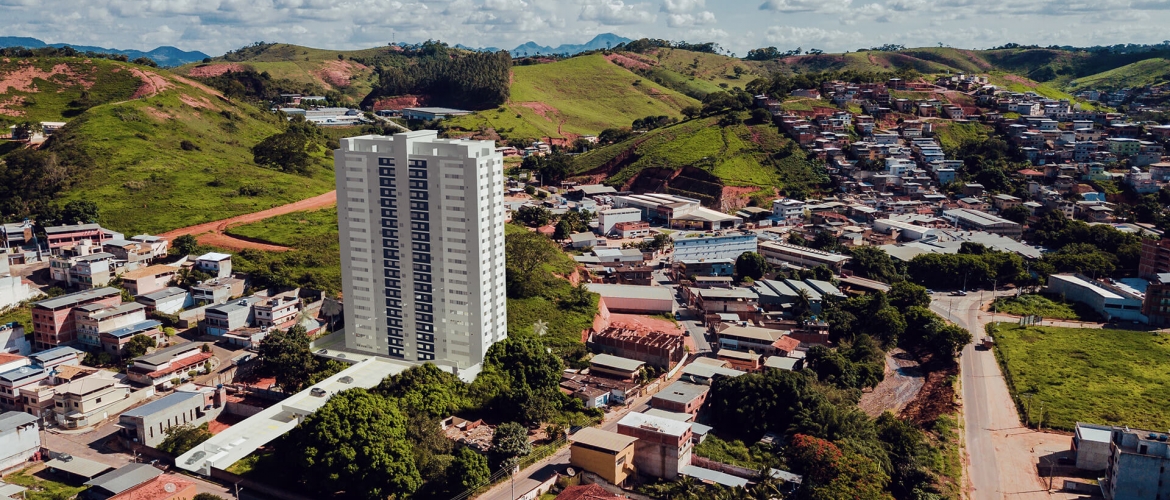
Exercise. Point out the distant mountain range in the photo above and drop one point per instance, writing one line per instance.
(602, 41)
(164, 56)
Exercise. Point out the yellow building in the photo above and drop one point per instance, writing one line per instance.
(607, 454)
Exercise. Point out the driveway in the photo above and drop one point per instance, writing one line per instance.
(1002, 454)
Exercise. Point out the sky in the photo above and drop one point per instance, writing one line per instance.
(216, 26)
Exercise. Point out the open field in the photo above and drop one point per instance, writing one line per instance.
(1046, 307)
(1148, 72)
(1088, 375)
(578, 96)
(144, 180)
(315, 258)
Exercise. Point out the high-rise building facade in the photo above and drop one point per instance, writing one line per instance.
(421, 224)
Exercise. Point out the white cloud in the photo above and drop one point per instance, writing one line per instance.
(793, 6)
(684, 20)
(615, 13)
(681, 6)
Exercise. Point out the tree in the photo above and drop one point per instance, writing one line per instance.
(182, 438)
(286, 151)
(533, 216)
(691, 111)
(1018, 214)
(426, 389)
(562, 231)
(185, 245)
(285, 355)
(139, 345)
(469, 470)
(527, 253)
(904, 294)
(355, 443)
(831, 473)
(509, 444)
(874, 263)
(751, 265)
(80, 211)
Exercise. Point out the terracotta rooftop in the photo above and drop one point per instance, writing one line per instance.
(161, 487)
(587, 492)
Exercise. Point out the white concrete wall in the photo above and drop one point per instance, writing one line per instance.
(17, 446)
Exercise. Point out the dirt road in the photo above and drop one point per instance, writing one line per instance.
(1002, 456)
(213, 233)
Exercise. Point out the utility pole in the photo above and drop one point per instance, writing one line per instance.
(237, 484)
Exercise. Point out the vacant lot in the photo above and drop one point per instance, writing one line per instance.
(1087, 375)
(1045, 307)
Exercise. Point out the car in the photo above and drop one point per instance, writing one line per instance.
(317, 391)
(929, 291)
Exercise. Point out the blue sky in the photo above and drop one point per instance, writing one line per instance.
(215, 26)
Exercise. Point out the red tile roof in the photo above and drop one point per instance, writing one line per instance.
(587, 492)
(786, 343)
(164, 487)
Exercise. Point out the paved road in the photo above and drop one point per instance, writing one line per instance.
(1002, 454)
(91, 446)
(688, 317)
(532, 476)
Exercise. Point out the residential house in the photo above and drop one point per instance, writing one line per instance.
(148, 279)
(114, 341)
(14, 382)
(168, 300)
(63, 236)
(224, 318)
(217, 291)
(159, 246)
(86, 401)
(763, 341)
(610, 455)
(277, 311)
(608, 365)
(663, 446)
(160, 366)
(1134, 461)
(55, 357)
(721, 300)
(218, 265)
(16, 235)
(12, 339)
(20, 439)
(681, 397)
(132, 253)
(83, 271)
(93, 319)
(54, 319)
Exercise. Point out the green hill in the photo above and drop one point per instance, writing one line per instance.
(176, 154)
(348, 72)
(700, 158)
(1148, 72)
(57, 88)
(576, 96)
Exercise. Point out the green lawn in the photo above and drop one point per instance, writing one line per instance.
(1039, 305)
(40, 488)
(1088, 375)
(735, 453)
(20, 314)
(580, 95)
(314, 262)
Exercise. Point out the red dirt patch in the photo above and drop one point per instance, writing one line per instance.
(404, 101)
(626, 61)
(201, 102)
(937, 397)
(157, 114)
(735, 197)
(540, 108)
(6, 106)
(338, 73)
(212, 233)
(152, 83)
(22, 79)
(215, 69)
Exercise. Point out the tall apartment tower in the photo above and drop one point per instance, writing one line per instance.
(422, 247)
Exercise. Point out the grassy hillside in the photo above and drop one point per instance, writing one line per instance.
(315, 258)
(58, 88)
(1148, 72)
(738, 155)
(577, 96)
(144, 179)
(317, 68)
(711, 69)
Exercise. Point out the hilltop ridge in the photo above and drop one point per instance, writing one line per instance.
(164, 55)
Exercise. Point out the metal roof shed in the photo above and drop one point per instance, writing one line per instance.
(77, 467)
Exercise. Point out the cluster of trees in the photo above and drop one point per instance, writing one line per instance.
(553, 168)
(30, 179)
(290, 150)
(68, 51)
(448, 77)
(285, 356)
(181, 438)
(387, 442)
(769, 53)
(900, 318)
(840, 451)
(530, 257)
(646, 44)
(734, 100)
(974, 266)
(1098, 250)
(250, 85)
(653, 122)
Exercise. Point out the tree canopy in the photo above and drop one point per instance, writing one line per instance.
(285, 355)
